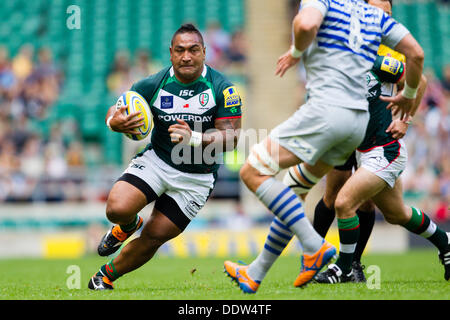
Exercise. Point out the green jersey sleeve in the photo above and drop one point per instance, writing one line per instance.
(229, 102)
(388, 69)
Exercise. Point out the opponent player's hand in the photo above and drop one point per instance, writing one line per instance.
(399, 104)
(121, 122)
(397, 128)
(285, 62)
(180, 132)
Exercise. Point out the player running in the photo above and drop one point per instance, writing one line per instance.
(185, 97)
(324, 212)
(340, 39)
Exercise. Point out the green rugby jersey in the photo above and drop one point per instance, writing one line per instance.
(381, 80)
(201, 102)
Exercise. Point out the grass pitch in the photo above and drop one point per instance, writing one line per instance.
(414, 275)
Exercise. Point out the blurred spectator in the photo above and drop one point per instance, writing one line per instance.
(119, 78)
(236, 53)
(217, 40)
(434, 94)
(32, 162)
(7, 77)
(143, 66)
(22, 64)
(446, 80)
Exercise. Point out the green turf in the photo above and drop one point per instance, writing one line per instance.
(414, 275)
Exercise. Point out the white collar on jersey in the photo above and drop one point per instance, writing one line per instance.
(205, 69)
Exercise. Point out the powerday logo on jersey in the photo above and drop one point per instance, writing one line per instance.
(203, 99)
(390, 65)
(166, 102)
(231, 97)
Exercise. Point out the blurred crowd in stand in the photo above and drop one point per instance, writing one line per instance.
(427, 177)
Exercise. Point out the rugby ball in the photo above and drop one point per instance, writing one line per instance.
(135, 102)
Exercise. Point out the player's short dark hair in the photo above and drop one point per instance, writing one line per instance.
(188, 28)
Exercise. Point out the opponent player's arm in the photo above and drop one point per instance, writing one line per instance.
(420, 92)
(414, 66)
(304, 29)
(415, 57)
(117, 121)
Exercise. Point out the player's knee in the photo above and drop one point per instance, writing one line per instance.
(343, 207)
(117, 211)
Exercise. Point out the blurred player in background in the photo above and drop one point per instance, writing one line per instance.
(339, 42)
(324, 212)
(381, 159)
(186, 96)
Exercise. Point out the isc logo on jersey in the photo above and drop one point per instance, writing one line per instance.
(135, 102)
(231, 97)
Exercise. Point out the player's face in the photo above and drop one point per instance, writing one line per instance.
(187, 55)
(382, 4)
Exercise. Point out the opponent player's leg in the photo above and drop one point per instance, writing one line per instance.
(166, 222)
(279, 235)
(258, 174)
(390, 202)
(362, 185)
(125, 200)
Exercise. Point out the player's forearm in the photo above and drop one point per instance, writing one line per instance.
(414, 60)
(305, 27)
(110, 113)
(225, 140)
(420, 92)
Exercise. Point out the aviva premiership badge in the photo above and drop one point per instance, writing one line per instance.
(390, 65)
(231, 97)
(203, 99)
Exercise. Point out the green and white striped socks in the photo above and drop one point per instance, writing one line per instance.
(348, 237)
(422, 225)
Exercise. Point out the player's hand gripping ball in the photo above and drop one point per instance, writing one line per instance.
(136, 103)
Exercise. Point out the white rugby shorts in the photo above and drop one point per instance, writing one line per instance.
(319, 131)
(386, 162)
(189, 190)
